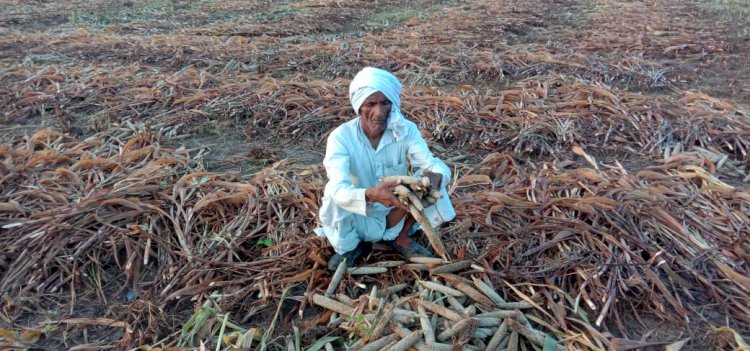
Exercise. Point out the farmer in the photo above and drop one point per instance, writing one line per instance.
(380, 142)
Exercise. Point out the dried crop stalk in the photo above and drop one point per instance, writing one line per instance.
(333, 305)
(411, 193)
(336, 279)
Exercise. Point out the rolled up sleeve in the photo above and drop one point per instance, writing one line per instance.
(422, 158)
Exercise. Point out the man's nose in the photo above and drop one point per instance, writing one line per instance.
(381, 110)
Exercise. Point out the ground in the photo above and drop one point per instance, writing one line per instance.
(247, 85)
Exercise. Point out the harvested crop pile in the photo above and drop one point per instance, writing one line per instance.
(660, 240)
(103, 219)
(449, 308)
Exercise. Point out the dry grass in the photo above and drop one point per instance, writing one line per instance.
(597, 175)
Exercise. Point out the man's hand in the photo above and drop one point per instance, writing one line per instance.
(383, 194)
(436, 179)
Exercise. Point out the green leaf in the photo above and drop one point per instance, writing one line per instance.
(265, 242)
(322, 343)
(203, 180)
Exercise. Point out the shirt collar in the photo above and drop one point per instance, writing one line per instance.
(385, 140)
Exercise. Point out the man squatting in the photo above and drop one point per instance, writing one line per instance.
(379, 142)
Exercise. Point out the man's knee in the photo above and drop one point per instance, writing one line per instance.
(371, 228)
(393, 232)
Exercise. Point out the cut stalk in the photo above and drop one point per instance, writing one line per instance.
(392, 290)
(513, 342)
(427, 260)
(432, 236)
(446, 313)
(451, 267)
(424, 321)
(441, 288)
(379, 344)
(332, 305)
(488, 290)
(535, 336)
(364, 270)
(463, 326)
(499, 314)
(494, 343)
(336, 279)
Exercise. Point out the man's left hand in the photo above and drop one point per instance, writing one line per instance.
(436, 179)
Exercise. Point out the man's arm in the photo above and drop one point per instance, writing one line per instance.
(422, 158)
(339, 186)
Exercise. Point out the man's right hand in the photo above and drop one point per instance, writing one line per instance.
(383, 194)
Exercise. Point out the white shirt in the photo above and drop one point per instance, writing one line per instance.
(352, 166)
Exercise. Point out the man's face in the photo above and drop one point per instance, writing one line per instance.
(374, 114)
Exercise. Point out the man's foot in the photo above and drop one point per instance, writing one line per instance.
(416, 232)
(412, 250)
(350, 258)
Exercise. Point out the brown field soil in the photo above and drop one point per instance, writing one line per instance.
(161, 161)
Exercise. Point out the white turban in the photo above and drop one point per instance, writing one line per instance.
(371, 80)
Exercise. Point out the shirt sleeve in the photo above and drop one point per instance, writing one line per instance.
(339, 186)
(421, 157)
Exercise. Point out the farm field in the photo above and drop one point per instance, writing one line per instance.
(160, 170)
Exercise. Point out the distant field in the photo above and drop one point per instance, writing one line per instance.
(733, 9)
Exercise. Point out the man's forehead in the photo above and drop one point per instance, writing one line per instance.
(376, 96)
